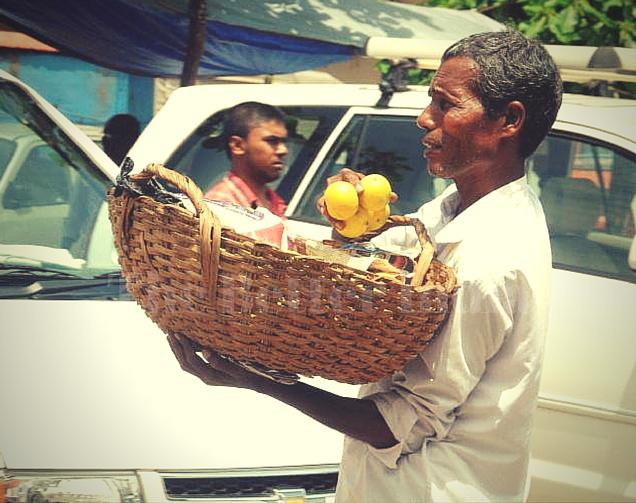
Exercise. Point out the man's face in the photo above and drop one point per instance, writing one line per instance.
(265, 150)
(459, 135)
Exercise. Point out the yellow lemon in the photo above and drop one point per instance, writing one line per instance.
(356, 225)
(341, 199)
(376, 193)
(378, 218)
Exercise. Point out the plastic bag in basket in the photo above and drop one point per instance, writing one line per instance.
(259, 223)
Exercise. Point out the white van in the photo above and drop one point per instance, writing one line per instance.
(95, 407)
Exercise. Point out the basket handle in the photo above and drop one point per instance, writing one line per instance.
(209, 223)
(428, 251)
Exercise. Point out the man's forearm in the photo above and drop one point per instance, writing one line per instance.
(355, 417)
(352, 416)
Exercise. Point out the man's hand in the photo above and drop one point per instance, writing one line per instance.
(347, 175)
(212, 369)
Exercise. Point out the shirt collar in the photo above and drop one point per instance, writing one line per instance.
(277, 203)
(243, 187)
(445, 226)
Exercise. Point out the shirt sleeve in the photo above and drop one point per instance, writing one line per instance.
(420, 403)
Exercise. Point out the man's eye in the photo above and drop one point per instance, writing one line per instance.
(443, 104)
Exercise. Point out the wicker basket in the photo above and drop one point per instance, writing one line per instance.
(264, 307)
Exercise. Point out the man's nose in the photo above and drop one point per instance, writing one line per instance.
(282, 148)
(425, 120)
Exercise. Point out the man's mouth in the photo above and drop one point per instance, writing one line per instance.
(430, 143)
(431, 148)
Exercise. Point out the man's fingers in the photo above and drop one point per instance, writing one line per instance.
(225, 366)
(211, 368)
(336, 224)
(393, 198)
(334, 178)
(176, 348)
(320, 204)
(190, 358)
(348, 175)
(190, 362)
(351, 176)
(218, 362)
(322, 208)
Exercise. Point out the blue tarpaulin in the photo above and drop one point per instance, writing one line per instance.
(243, 37)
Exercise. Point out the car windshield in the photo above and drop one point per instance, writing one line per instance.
(53, 216)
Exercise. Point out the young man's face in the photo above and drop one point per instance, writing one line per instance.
(458, 135)
(265, 150)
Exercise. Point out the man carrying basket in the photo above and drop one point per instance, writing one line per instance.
(455, 423)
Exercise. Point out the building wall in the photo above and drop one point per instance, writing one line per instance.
(87, 94)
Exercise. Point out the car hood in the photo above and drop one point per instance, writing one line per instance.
(94, 385)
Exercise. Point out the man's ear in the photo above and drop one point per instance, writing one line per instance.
(236, 145)
(514, 117)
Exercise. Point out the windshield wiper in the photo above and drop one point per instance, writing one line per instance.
(110, 274)
(40, 288)
(26, 271)
(24, 281)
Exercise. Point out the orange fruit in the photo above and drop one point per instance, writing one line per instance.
(378, 218)
(376, 194)
(341, 200)
(356, 225)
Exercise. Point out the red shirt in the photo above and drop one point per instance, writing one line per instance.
(233, 189)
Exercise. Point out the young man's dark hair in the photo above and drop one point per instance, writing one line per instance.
(242, 117)
(513, 67)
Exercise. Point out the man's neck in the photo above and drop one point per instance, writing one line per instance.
(478, 183)
(256, 186)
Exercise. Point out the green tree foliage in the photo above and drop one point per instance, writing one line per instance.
(569, 22)
(573, 22)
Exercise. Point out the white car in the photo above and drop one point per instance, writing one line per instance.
(93, 392)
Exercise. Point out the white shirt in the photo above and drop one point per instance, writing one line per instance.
(462, 411)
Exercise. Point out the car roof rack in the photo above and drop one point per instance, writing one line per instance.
(576, 63)
(395, 79)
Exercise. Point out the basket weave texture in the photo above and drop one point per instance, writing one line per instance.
(260, 305)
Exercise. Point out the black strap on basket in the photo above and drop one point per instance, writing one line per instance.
(142, 186)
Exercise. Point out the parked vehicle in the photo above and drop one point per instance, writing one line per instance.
(92, 391)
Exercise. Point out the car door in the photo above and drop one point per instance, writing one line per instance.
(585, 428)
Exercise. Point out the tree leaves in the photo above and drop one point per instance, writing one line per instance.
(578, 22)
(564, 25)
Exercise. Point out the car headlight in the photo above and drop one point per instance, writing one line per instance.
(58, 487)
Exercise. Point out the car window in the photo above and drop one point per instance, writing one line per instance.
(50, 192)
(588, 195)
(385, 144)
(43, 179)
(202, 155)
(7, 147)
